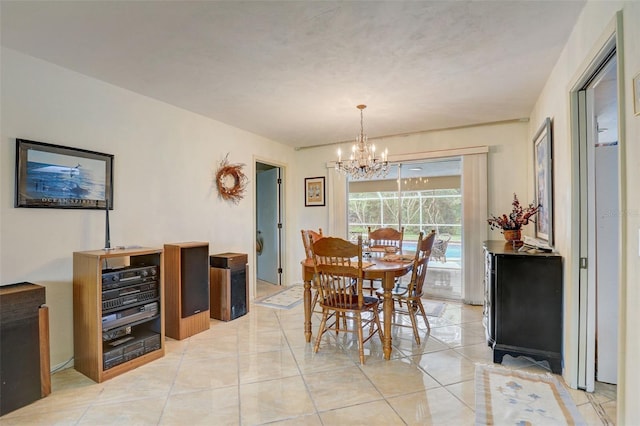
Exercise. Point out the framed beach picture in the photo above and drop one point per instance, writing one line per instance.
(314, 191)
(55, 176)
(543, 177)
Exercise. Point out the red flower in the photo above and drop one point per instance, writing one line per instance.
(518, 217)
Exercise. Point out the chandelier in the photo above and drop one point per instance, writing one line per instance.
(362, 162)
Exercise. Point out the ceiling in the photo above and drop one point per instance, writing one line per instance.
(294, 71)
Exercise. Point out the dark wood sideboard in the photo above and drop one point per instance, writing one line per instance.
(523, 304)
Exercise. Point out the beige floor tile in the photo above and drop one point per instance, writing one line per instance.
(447, 367)
(208, 407)
(140, 412)
(398, 377)
(205, 373)
(456, 336)
(261, 366)
(610, 408)
(265, 341)
(274, 400)
(589, 415)
(372, 413)
(309, 420)
(479, 353)
(432, 407)
(60, 417)
(340, 388)
(465, 392)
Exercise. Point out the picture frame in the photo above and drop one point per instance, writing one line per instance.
(56, 176)
(314, 191)
(636, 94)
(543, 178)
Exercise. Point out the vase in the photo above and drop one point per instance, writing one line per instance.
(512, 235)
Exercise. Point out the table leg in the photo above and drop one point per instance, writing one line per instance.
(387, 307)
(307, 310)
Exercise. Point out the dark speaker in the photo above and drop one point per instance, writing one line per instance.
(229, 286)
(194, 280)
(238, 292)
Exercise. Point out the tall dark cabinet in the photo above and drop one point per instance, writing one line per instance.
(523, 304)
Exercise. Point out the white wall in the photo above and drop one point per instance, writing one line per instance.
(165, 158)
(587, 37)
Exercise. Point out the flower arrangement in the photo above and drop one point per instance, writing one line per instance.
(518, 217)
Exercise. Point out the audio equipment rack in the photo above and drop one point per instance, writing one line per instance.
(118, 310)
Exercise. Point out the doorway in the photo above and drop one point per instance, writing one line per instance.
(597, 107)
(268, 223)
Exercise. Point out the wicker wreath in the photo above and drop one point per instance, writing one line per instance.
(231, 181)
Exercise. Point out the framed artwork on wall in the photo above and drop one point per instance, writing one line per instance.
(543, 177)
(55, 176)
(314, 191)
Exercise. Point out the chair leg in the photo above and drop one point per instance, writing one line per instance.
(411, 307)
(424, 314)
(360, 337)
(321, 329)
(314, 302)
(376, 318)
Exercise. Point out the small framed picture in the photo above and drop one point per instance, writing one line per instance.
(314, 191)
(636, 94)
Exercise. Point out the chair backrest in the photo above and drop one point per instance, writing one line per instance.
(420, 263)
(315, 236)
(386, 237)
(337, 263)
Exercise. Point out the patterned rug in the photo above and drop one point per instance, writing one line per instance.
(511, 397)
(287, 298)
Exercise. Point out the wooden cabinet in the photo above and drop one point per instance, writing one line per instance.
(24, 346)
(118, 310)
(187, 289)
(523, 304)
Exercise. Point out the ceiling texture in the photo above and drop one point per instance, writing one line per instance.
(294, 71)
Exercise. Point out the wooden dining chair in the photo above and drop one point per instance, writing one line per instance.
(408, 298)
(380, 240)
(309, 236)
(338, 272)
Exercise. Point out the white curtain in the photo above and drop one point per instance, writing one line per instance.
(474, 226)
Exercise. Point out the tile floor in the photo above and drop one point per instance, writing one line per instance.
(258, 370)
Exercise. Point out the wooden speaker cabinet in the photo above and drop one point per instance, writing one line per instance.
(24, 346)
(229, 285)
(186, 274)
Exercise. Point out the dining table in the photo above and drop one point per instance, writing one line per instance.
(378, 269)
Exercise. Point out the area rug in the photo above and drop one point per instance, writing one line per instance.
(433, 308)
(283, 299)
(511, 397)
